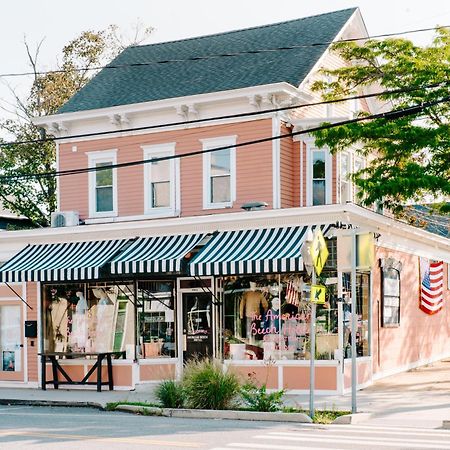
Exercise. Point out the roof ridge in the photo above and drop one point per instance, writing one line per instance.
(241, 29)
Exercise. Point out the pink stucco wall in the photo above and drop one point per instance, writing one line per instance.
(420, 337)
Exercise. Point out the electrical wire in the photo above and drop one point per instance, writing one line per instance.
(230, 116)
(386, 115)
(219, 55)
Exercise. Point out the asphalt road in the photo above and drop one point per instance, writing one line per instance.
(83, 428)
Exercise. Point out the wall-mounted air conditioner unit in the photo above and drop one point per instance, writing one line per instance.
(65, 219)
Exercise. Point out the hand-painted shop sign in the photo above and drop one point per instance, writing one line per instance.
(318, 251)
(318, 294)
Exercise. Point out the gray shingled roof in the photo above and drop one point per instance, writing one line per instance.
(136, 84)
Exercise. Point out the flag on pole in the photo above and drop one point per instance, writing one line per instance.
(431, 286)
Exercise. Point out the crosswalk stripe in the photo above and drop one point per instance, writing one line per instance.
(331, 433)
(373, 441)
(375, 427)
(235, 446)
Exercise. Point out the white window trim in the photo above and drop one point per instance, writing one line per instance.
(109, 156)
(341, 177)
(310, 147)
(153, 151)
(224, 141)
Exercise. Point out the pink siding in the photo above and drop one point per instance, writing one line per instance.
(253, 164)
(419, 336)
(303, 179)
(288, 181)
(32, 343)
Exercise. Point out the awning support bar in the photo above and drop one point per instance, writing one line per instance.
(17, 294)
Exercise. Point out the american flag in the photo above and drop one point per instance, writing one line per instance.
(292, 294)
(432, 286)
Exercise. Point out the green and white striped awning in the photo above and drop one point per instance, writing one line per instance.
(264, 250)
(71, 261)
(157, 254)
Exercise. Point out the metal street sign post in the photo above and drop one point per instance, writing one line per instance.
(354, 324)
(319, 254)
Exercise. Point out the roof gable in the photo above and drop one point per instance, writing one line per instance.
(143, 83)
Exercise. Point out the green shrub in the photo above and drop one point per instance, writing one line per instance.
(170, 394)
(207, 386)
(258, 399)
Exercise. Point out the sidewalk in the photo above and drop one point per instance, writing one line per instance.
(418, 398)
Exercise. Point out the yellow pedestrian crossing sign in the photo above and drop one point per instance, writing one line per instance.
(318, 294)
(318, 251)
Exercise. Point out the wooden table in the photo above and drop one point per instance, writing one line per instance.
(55, 357)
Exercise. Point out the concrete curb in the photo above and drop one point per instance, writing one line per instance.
(216, 414)
(351, 419)
(12, 401)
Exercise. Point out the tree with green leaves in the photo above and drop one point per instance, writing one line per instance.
(35, 198)
(408, 156)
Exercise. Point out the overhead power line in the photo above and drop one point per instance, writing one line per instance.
(215, 118)
(219, 55)
(387, 115)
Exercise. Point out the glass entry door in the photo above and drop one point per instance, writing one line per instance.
(11, 347)
(197, 325)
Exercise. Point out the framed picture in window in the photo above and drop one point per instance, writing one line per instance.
(390, 292)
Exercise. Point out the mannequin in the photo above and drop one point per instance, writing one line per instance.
(272, 317)
(250, 308)
(78, 338)
(105, 312)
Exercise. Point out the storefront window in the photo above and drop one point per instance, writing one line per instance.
(156, 319)
(88, 318)
(362, 311)
(268, 317)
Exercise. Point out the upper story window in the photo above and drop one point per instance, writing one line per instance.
(318, 177)
(219, 173)
(345, 184)
(102, 184)
(160, 179)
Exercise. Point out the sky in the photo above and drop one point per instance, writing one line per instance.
(57, 22)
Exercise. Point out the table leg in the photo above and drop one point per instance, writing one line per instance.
(54, 371)
(43, 372)
(99, 372)
(110, 372)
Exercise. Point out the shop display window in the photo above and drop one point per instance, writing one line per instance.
(268, 317)
(88, 317)
(362, 311)
(156, 319)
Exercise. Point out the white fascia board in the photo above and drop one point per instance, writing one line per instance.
(355, 20)
(152, 106)
(394, 231)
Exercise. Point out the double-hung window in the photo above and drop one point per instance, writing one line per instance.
(318, 176)
(102, 184)
(160, 179)
(219, 172)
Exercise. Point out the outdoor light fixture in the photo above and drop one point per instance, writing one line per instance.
(254, 206)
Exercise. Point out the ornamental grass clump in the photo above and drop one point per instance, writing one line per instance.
(170, 394)
(256, 398)
(207, 386)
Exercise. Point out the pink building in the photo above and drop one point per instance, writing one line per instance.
(153, 257)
